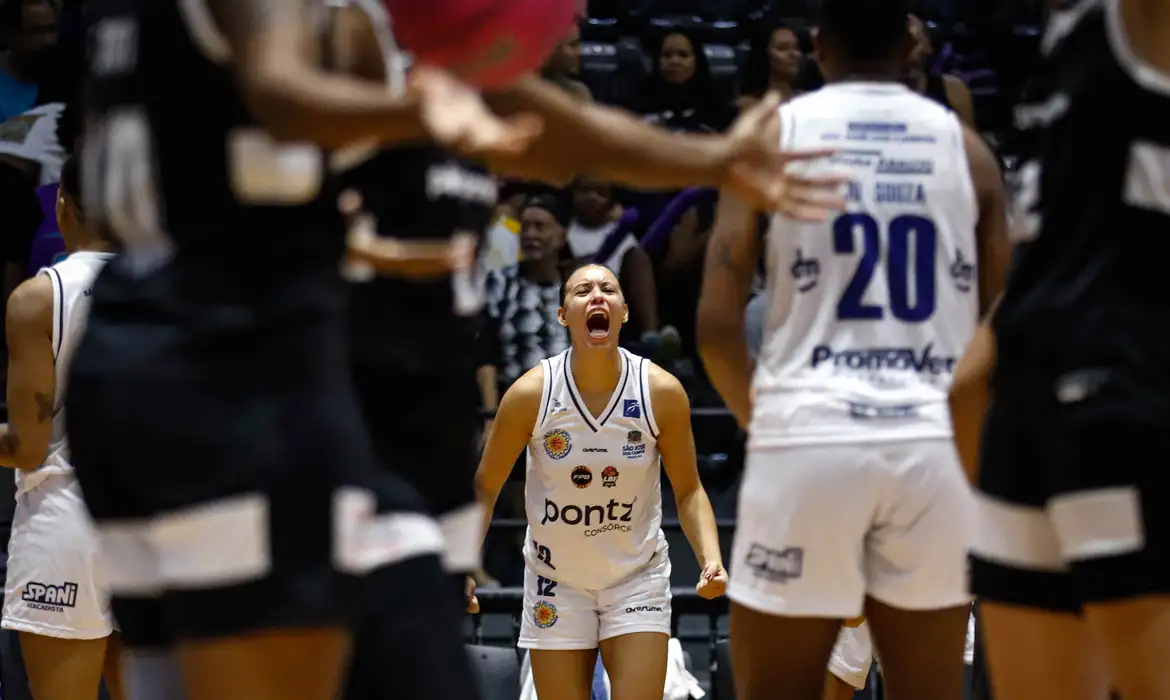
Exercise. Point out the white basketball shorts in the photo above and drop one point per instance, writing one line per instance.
(852, 656)
(559, 616)
(821, 527)
(54, 586)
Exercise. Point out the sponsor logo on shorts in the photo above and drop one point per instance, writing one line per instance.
(631, 409)
(557, 444)
(597, 519)
(581, 476)
(644, 608)
(609, 477)
(544, 614)
(45, 596)
(779, 565)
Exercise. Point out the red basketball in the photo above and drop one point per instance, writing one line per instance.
(488, 43)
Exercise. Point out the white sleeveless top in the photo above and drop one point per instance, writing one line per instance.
(870, 311)
(72, 281)
(593, 492)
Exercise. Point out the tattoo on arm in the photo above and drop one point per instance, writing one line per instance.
(44, 406)
(724, 256)
(9, 445)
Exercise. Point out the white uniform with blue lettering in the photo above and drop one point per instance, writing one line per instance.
(852, 485)
(54, 587)
(596, 558)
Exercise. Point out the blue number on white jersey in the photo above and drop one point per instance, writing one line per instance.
(913, 241)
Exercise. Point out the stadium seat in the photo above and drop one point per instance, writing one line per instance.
(722, 682)
(498, 669)
(603, 29)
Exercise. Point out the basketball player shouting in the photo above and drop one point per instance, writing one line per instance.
(595, 420)
(217, 441)
(55, 594)
(852, 498)
(1069, 560)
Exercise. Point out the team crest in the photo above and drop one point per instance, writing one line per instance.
(544, 614)
(557, 444)
(609, 477)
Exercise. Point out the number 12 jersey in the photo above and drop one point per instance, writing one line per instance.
(870, 311)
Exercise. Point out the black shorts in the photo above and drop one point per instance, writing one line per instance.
(409, 644)
(1072, 491)
(426, 429)
(228, 506)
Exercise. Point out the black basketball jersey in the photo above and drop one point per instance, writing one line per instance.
(175, 164)
(419, 193)
(1090, 284)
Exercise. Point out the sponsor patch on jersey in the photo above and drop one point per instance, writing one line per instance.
(544, 614)
(633, 451)
(631, 409)
(558, 407)
(581, 476)
(557, 444)
(634, 436)
(609, 477)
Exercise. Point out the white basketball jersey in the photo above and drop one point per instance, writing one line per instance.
(72, 281)
(870, 311)
(593, 493)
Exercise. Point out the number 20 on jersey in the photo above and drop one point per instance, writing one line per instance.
(912, 243)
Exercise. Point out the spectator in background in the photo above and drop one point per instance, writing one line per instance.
(774, 62)
(520, 325)
(947, 90)
(680, 94)
(602, 232)
(28, 30)
(563, 65)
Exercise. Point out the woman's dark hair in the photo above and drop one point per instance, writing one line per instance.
(71, 182)
(757, 70)
(698, 94)
(554, 205)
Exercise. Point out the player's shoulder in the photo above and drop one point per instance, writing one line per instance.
(31, 303)
(665, 389)
(526, 392)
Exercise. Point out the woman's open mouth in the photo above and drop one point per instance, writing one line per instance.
(597, 323)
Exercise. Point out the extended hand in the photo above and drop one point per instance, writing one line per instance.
(457, 118)
(712, 582)
(758, 170)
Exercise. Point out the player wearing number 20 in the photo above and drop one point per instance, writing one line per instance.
(853, 500)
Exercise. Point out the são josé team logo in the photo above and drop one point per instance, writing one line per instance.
(557, 444)
(544, 614)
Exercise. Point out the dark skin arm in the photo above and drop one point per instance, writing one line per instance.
(276, 57)
(970, 394)
(960, 98)
(730, 267)
(275, 54)
(32, 380)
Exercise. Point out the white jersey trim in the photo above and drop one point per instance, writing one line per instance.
(545, 395)
(58, 309)
(1135, 67)
(644, 395)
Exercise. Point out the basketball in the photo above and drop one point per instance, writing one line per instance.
(488, 43)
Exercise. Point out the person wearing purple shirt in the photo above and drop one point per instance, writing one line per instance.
(48, 248)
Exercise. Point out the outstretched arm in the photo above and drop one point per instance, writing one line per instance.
(32, 380)
(676, 443)
(275, 54)
(730, 267)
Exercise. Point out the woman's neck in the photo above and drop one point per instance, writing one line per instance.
(596, 369)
